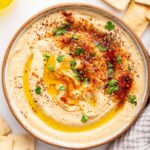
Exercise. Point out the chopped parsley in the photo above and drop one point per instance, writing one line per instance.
(112, 89)
(38, 90)
(86, 80)
(119, 60)
(79, 51)
(132, 99)
(51, 68)
(59, 31)
(46, 56)
(73, 63)
(110, 65)
(60, 58)
(110, 69)
(77, 74)
(101, 48)
(84, 118)
(110, 72)
(112, 86)
(75, 37)
(62, 88)
(109, 26)
(112, 82)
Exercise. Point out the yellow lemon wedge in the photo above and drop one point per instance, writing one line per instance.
(4, 4)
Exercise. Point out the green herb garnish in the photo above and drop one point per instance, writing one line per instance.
(110, 72)
(62, 88)
(112, 89)
(60, 58)
(119, 60)
(112, 86)
(84, 118)
(79, 51)
(109, 26)
(38, 90)
(110, 69)
(112, 82)
(77, 73)
(73, 63)
(46, 56)
(59, 31)
(51, 68)
(110, 65)
(75, 37)
(86, 80)
(101, 48)
(132, 99)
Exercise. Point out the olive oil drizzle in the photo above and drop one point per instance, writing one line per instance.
(51, 122)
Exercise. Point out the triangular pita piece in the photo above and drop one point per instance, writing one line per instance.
(4, 128)
(146, 2)
(6, 143)
(135, 18)
(23, 142)
(118, 4)
(148, 15)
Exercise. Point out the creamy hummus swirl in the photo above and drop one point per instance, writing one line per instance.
(75, 69)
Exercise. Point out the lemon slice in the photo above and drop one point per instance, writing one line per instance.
(4, 4)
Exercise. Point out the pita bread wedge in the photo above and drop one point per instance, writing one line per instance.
(118, 4)
(135, 18)
(146, 2)
(6, 143)
(148, 15)
(4, 128)
(23, 142)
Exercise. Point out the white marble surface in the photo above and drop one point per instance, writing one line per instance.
(10, 21)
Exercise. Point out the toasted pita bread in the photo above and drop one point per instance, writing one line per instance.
(4, 128)
(6, 143)
(148, 15)
(135, 18)
(118, 4)
(23, 142)
(146, 2)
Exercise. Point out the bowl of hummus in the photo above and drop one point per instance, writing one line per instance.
(75, 76)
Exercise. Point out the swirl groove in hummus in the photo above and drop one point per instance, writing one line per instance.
(76, 70)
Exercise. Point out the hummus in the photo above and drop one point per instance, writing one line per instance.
(75, 71)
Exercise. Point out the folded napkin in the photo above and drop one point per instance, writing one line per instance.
(138, 137)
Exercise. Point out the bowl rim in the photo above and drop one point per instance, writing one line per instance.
(60, 6)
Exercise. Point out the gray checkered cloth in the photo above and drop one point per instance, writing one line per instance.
(138, 137)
